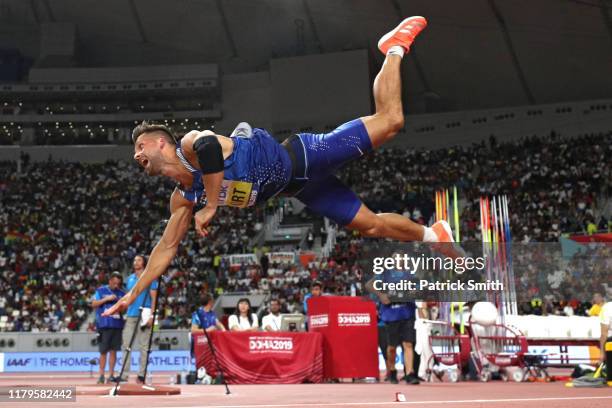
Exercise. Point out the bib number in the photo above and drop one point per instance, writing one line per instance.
(237, 194)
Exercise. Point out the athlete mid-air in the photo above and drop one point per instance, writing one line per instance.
(216, 170)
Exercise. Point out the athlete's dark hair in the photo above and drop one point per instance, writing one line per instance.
(249, 316)
(148, 127)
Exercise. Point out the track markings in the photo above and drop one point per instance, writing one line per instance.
(378, 403)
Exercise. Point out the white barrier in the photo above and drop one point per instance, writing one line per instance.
(556, 326)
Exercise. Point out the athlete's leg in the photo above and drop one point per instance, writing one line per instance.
(326, 152)
(386, 225)
(395, 226)
(329, 197)
(389, 116)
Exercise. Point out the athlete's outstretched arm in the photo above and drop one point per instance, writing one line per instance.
(163, 253)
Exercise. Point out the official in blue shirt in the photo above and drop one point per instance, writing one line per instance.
(399, 318)
(143, 326)
(204, 317)
(109, 327)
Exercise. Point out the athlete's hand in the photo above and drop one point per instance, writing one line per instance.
(121, 305)
(203, 218)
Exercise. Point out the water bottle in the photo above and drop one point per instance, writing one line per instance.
(201, 373)
(149, 379)
(172, 380)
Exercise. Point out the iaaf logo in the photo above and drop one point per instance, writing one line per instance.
(321, 320)
(18, 362)
(202, 340)
(265, 344)
(354, 319)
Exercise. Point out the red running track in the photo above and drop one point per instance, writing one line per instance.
(431, 395)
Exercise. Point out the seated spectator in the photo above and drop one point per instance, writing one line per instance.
(272, 321)
(243, 319)
(204, 317)
(316, 289)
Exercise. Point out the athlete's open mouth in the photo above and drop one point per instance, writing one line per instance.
(144, 163)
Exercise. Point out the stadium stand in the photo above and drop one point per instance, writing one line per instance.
(66, 226)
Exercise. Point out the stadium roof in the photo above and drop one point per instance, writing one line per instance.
(475, 53)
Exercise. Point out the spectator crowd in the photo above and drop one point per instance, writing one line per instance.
(65, 227)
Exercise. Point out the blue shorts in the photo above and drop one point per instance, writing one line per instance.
(325, 153)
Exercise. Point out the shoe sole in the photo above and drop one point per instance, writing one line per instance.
(392, 33)
(446, 235)
(447, 248)
(242, 125)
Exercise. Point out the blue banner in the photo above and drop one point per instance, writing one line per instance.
(165, 360)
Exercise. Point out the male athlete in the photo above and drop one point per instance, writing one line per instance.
(241, 172)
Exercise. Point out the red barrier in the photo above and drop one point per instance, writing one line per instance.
(350, 335)
(602, 237)
(263, 357)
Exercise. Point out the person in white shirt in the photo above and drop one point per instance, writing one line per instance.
(605, 318)
(272, 321)
(243, 319)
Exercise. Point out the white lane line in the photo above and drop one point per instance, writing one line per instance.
(345, 404)
(13, 377)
